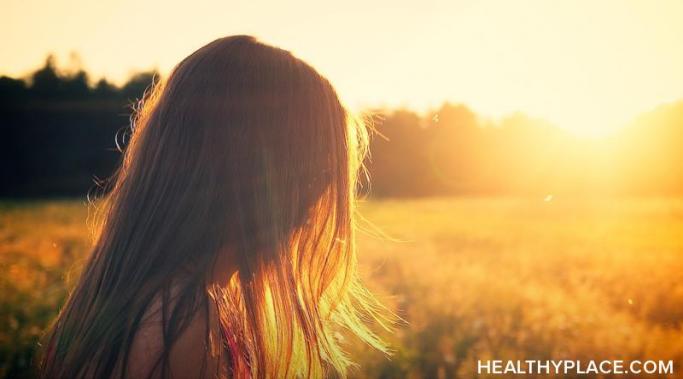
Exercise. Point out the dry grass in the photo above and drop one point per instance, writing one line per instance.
(477, 278)
(509, 278)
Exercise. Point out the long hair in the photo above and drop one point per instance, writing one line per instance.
(243, 147)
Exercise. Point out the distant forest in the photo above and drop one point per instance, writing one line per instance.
(59, 133)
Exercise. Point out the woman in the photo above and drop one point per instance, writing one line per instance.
(227, 242)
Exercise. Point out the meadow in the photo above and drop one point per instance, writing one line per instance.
(472, 278)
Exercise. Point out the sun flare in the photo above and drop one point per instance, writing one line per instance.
(588, 67)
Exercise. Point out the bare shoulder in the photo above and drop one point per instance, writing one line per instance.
(188, 353)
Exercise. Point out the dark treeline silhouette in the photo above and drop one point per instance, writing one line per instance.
(60, 130)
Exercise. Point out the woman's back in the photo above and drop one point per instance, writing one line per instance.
(192, 355)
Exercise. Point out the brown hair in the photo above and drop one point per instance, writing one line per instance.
(247, 147)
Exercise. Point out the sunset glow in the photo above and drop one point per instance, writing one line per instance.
(459, 183)
(588, 67)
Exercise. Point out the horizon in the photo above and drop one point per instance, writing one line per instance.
(586, 68)
(484, 121)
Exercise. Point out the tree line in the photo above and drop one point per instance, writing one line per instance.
(59, 139)
(454, 151)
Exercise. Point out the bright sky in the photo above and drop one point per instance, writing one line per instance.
(587, 66)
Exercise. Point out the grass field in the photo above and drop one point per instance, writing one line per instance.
(475, 278)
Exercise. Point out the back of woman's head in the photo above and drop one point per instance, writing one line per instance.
(244, 150)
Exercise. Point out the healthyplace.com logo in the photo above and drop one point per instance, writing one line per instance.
(565, 366)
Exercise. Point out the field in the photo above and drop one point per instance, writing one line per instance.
(473, 278)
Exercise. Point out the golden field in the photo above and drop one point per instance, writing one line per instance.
(473, 278)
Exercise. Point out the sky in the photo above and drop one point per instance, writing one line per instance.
(586, 66)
